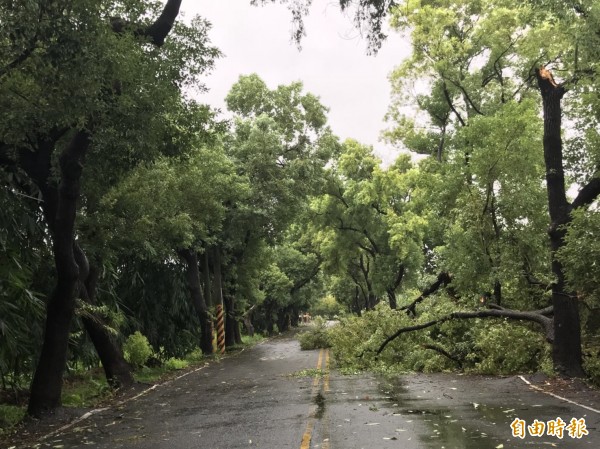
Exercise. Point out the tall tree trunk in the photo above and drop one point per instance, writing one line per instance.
(295, 317)
(248, 321)
(566, 349)
(391, 290)
(207, 282)
(497, 292)
(356, 302)
(269, 322)
(283, 319)
(391, 293)
(237, 333)
(217, 290)
(117, 370)
(46, 386)
(190, 257)
(230, 321)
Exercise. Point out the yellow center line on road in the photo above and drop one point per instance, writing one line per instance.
(326, 436)
(307, 434)
(317, 378)
(326, 378)
(306, 438)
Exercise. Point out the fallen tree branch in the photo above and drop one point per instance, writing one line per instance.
(443, 352)
(443, 280)
(536, 316)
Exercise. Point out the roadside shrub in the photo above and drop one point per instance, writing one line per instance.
(592, 368)
(316, 337)
(10, 416)
(137, 349)
(174, 364)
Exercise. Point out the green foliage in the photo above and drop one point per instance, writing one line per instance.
(581, 248)
(527, 349)
(176, 364)
(355, 339)
(370, 239)
(142, 288)
(23, 269)
(137, 349)
(311, 372)
(10, 416)
(85, 390)
(591, 365)
(327, 307)
(254, 340)
(316, 337)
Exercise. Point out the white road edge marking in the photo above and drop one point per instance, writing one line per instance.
(557, 396)
(98, 410)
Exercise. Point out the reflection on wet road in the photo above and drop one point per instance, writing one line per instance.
(444, 411)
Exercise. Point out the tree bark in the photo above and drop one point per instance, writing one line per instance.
(371, 298)
(248, 321)
(237, 333)
(46, 386)
(207, 281)
(283, 319)
(117, 370)
(269, 312)
(391, 290)
(566, 349)
(230, 321)
(190, 257)
(295, 317)
(37, 165)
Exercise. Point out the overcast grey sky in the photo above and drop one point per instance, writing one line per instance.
(333, 63)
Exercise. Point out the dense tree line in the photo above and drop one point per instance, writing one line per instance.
(128, 206)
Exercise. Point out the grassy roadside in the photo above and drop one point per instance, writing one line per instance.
(89, 389)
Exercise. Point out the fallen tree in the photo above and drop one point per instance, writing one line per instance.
(540, 317)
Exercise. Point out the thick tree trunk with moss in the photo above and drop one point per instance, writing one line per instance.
(192, 273)
(566, 349)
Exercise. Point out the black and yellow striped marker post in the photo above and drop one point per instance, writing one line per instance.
(220, 329)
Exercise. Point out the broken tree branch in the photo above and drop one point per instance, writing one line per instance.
(157, 31)
(587, 195)
(443, 280)
(443, 352)
(536, 316)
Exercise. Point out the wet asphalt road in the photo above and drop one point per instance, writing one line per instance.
(266, 398)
